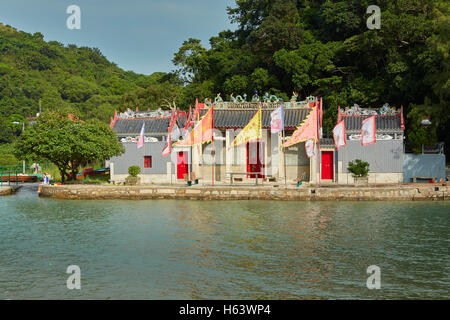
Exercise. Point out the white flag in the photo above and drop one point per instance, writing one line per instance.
(277, 120)
(175, 133)
(368, 131)
(310, 147)
(340, 140)
(141, 139)
(168, 148)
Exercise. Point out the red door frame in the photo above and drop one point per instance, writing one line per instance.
(327, 166)
(259, 165)
(182, 164)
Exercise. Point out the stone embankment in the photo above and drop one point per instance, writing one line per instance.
(7, 190)
(4, 191)
(335, 193)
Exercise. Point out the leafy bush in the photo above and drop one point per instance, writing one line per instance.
(134, 171)
(358, 168)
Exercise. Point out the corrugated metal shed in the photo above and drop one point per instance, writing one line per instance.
(224, 119)
(423, 165)
(384, 123)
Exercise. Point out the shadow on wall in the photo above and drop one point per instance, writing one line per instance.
(397, 153)
(423, 165)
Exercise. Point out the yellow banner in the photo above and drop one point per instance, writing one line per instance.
(251, 132)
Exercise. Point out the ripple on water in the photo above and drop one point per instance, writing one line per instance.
(222, 250)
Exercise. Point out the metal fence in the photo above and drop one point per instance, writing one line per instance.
(8, 173)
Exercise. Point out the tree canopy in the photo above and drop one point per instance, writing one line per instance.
(66, 79)
(67, 143)
(314, 47)
(324, 47)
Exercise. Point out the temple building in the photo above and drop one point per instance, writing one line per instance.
(216, 162)
(149, 158)
(264, 161)
(263, 158)
(385, 156)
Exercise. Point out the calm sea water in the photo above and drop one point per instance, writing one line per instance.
(222, 250)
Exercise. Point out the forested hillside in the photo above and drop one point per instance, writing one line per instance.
(69, 79)
(325, 48)
(317, 47)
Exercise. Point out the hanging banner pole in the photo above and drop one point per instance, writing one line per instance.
(191, 164)
(214, 159)
(203, 167)
(214, 148)
(346, 149)
(320, 161)
(263, 167)
(277, 126)
(375, 162)
(284, 160)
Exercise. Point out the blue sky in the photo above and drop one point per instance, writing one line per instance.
(138, 35)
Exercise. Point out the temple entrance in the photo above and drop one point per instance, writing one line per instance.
(182, 164)
(327, 165)
(254, 161)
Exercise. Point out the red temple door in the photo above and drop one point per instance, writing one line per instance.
(182, 164)
(254, 163)
(327, 165)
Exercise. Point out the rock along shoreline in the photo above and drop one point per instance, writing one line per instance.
(310, 193)
(7, 190)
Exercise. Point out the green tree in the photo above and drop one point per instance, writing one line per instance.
(67, 144)
(76, 89)
(6, 129)
(192, 59)
(323, 47)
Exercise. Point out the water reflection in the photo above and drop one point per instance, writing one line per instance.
(221, 250)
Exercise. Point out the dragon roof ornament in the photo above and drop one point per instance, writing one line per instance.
(356, 110)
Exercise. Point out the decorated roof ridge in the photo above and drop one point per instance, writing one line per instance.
(265, 102)
(385, 112)
(258, 99)
(116, 117)
(179, 113)
(256, 109)
(356, 110)
(149, 118)
(375, 115)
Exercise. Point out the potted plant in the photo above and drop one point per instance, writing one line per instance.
(360, 171)
(133, 178)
